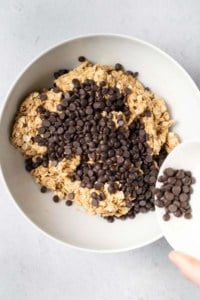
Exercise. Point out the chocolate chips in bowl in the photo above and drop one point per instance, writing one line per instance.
(98, 140)
(177, 198)
(174, 193)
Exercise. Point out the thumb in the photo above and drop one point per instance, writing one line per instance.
(189, 266)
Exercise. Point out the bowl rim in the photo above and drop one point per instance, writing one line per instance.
(4, 105)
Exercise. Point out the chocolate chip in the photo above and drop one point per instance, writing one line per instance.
(102, 196)
(68, 151)
(135, 74)
(169, 196)
(143, 209)
(60, 130)
(186, 180)
(130, 73)
(89, 111)
(123, 217)
(186, 189)
(110, 219)
(43, 189)
(45, 164)
(81, 58)
(166, 217)
(40, 109)
(76, 82)
(147, 113)
(184, 205)
(147, 88)
(68, 202)
(193, 180)
(52, 129)
(56, 198)
(70, 196)
(179, 182)
(162, 178)
(72, 107)
(46, 123)
(120, 160)
(176, 190)
(118, 67)
(188, 216)
(98, 185)
(127, 91)
(79, 151)
(95, 202)
(43, 97)
(178, 213)
(60, 73)
(172, 208)
(152, 179)
(129, 204)
(41, 130)
(171, 180)
(142, 203)
(183, 197)
(169, 172)
(56, 89)
(180, 174)
(111, 189)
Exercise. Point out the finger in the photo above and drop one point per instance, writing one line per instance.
(189, 266)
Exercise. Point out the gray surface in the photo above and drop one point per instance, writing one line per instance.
(31, 265)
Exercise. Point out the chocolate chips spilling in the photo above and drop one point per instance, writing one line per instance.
(174, 193)
(118, 156)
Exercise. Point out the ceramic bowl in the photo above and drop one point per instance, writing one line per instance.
(72, 225)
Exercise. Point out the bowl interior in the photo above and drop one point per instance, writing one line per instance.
(71, 225)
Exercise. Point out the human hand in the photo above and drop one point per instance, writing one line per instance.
(189, 266)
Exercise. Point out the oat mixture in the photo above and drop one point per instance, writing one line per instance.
(97, 138)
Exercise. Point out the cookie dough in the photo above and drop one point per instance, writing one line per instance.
(142, 104)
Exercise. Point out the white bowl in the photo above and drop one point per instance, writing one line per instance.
(71, 225)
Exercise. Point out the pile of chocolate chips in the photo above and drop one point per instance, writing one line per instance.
(120, 156)
(174, 193)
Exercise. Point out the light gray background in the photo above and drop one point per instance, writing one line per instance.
(31, 265)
